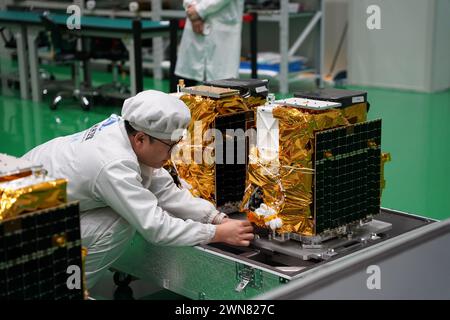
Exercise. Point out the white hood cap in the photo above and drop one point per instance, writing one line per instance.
(157, 114)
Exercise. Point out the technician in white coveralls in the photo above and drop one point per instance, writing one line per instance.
(115, 171)
(210, 47)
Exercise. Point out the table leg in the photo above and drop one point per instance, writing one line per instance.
(87, 75)
(33, 59)
(158, 57)
(137, 55)
(20, 35)
(254, 44)
(173, 54)
(5, 66)
(129, 44)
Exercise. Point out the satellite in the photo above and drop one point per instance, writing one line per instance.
(315, 172)
(39, 235)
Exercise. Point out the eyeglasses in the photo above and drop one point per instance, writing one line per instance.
(167, 144)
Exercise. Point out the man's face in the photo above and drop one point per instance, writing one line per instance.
(151, 151)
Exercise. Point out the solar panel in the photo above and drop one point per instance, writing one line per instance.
(347, 180)
(254, 87)
(344, 97)
(35, 251)
(209, 91)
(308, 104)
(231, 173)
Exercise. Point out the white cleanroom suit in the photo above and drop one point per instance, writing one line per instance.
(117, 194)
(215, 54)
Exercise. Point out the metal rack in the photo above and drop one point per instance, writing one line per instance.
(282, 17)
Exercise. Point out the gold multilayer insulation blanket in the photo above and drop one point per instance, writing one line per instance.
(254, 102)
(285, 184)
(195, 163)
(29, 194)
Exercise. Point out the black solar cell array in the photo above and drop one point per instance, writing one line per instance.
(230, 175)
(36, 250)
(347, 164)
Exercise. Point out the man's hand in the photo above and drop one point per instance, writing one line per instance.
(196, 20)
(234, 232)
(192, 13)
(224, 220)
(197, 26)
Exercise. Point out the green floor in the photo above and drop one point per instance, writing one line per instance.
(416, 131)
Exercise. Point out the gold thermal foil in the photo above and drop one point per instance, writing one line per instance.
(356, 113)
(84, 253)
(195, 160)
(286, 184)
(30, 194)
(385, 157)
(254, 102)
